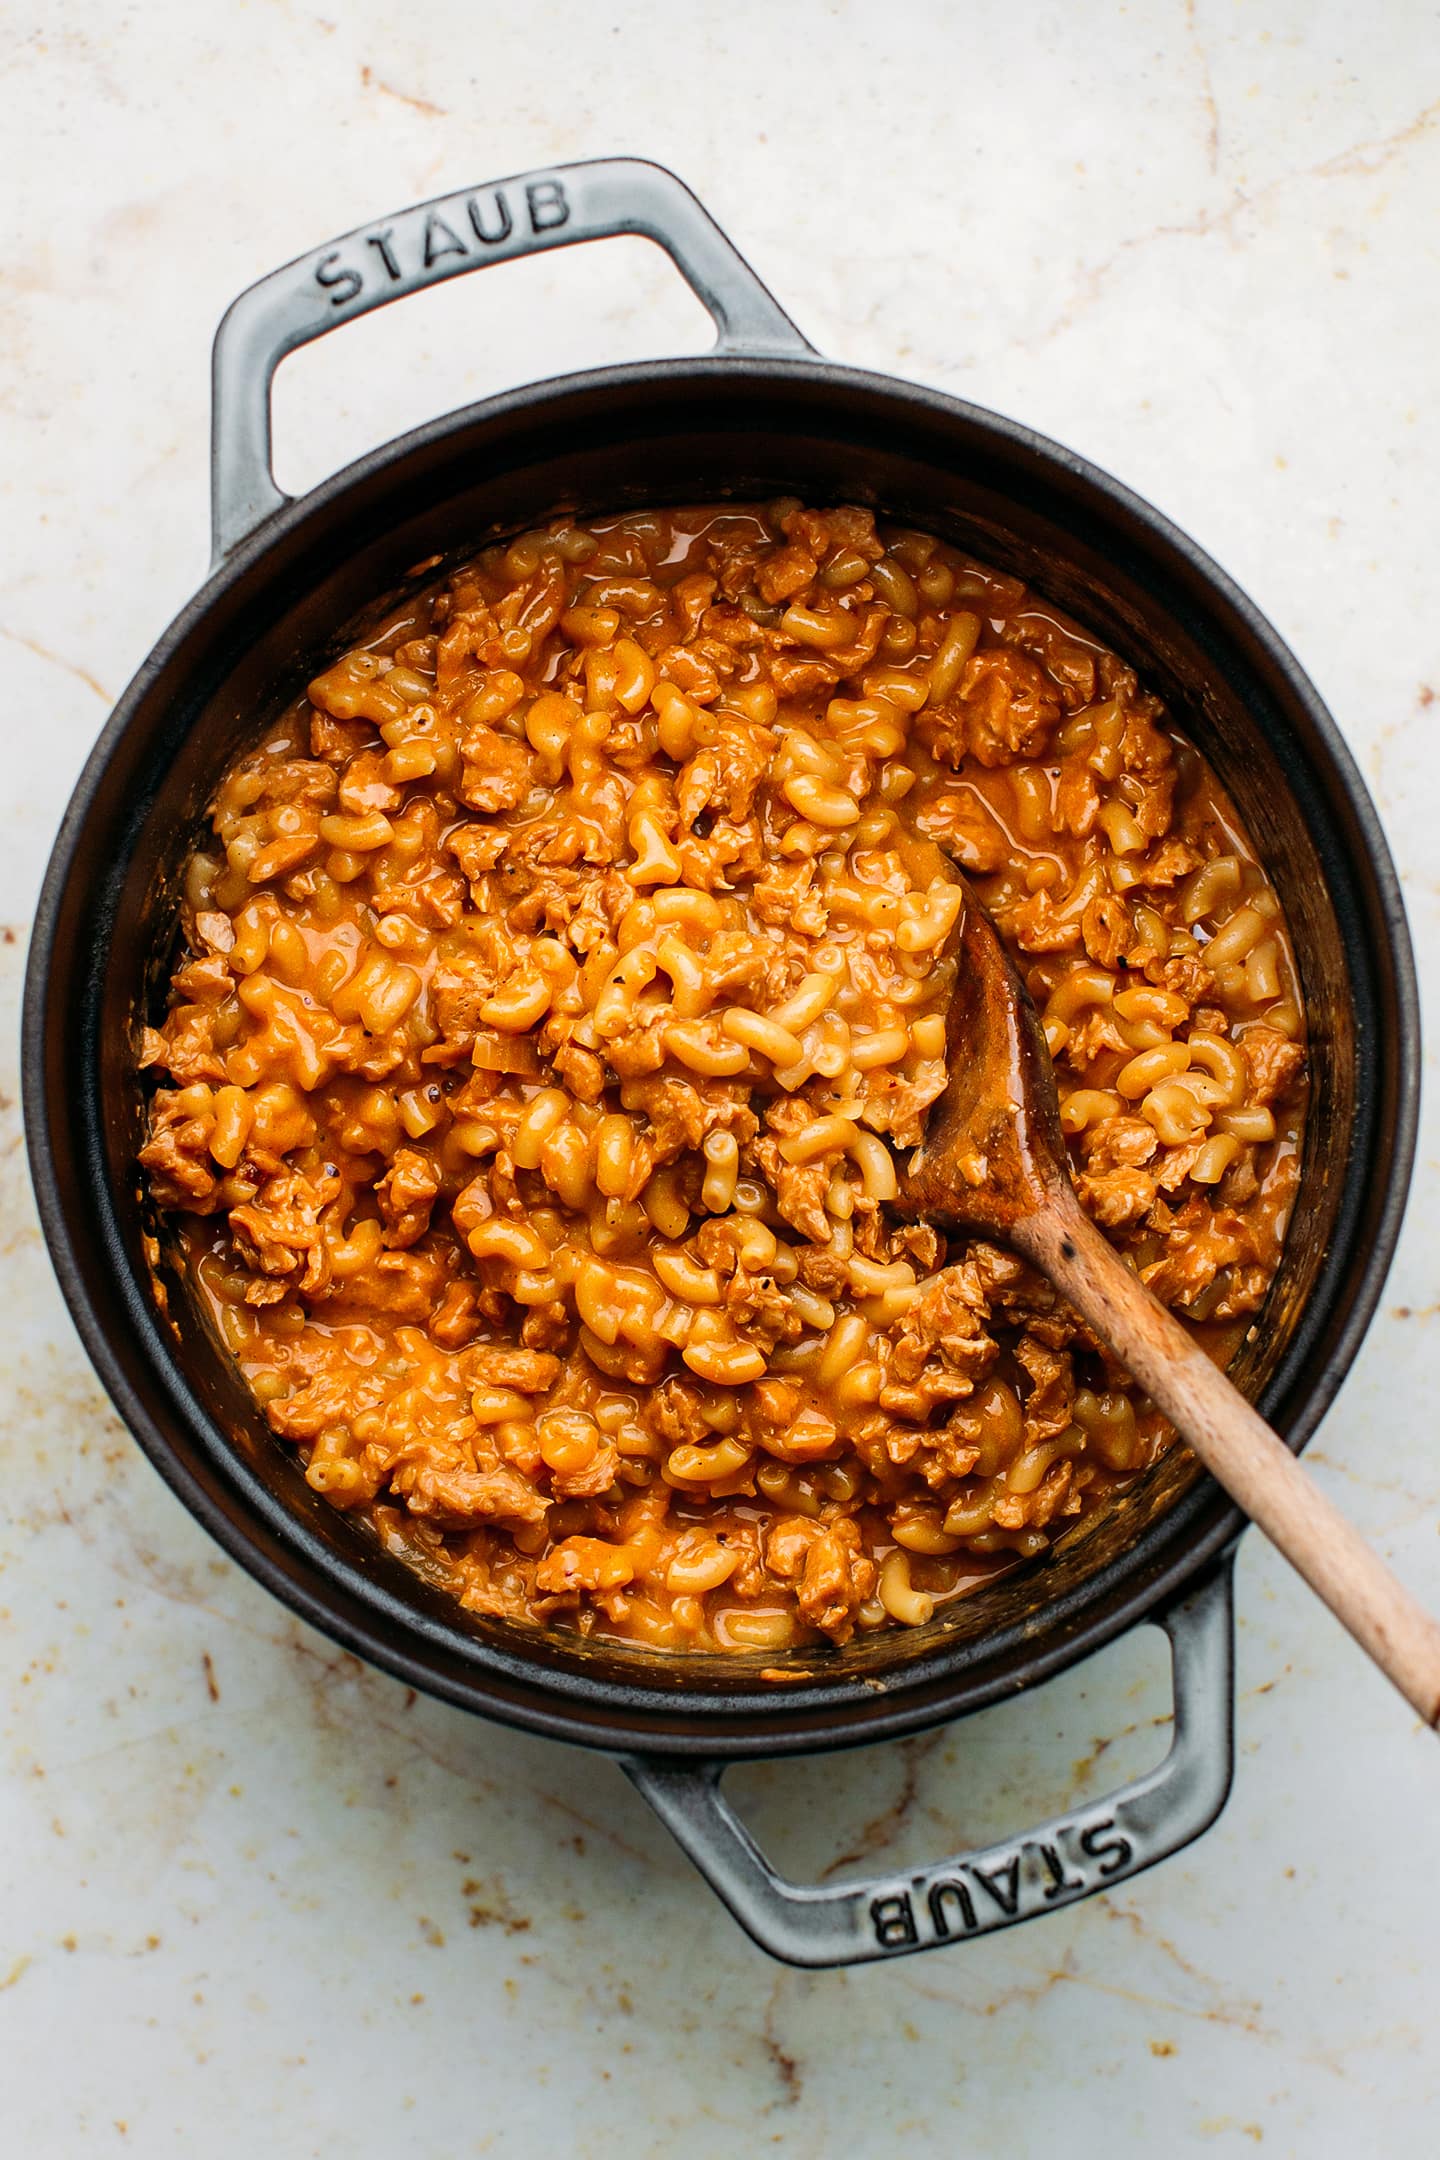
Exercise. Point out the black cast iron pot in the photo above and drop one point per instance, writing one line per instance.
(759, 417)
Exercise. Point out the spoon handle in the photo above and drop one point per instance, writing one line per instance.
(1239, 1449)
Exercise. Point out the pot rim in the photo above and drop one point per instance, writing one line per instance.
(620, 1714)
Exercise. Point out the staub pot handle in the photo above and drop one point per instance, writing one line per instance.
(1092, 1847)
(396, 255)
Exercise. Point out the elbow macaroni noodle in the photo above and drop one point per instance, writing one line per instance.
(565, 982)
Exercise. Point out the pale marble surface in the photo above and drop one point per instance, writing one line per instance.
(251, 1898)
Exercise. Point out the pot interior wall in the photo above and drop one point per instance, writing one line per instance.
(695, 432)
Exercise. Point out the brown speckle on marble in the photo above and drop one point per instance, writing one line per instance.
(788, 2072)
(490, 1906)
(371, 81)
(877, 1833)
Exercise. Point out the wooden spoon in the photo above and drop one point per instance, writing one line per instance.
(994, 1160)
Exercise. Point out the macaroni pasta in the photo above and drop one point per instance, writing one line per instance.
(565, 975)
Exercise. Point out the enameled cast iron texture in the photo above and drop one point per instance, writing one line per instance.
(673, 432)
